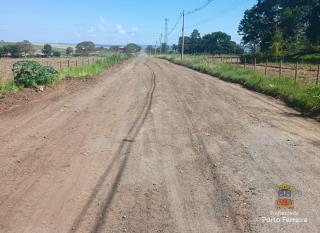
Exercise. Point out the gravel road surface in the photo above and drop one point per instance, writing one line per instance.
(155, 147)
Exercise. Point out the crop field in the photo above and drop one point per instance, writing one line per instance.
(57, 63)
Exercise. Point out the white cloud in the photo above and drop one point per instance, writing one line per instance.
(120, 29)
(102, 25)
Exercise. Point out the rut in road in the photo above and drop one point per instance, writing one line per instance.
(121, 157)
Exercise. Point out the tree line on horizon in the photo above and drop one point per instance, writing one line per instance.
(213, 43)
(86, 48)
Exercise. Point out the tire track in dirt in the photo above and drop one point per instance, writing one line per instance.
(124, 152)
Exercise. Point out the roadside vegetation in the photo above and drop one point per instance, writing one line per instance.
(6, 87)
(301, 96)
(31, 74)
(94, 69)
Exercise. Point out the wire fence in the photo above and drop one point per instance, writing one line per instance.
(6, 64)
(308, 73)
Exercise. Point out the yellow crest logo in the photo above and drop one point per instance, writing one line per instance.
(284, 200)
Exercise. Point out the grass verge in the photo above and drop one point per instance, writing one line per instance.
(303, 97)
(6, 87)
(94, 69)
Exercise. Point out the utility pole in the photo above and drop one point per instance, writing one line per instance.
(160, 43)
(166, 33)
(182, 48)
(155, 49)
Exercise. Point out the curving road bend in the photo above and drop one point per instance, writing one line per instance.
(155, 147)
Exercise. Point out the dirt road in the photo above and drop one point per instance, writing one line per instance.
(155, 147)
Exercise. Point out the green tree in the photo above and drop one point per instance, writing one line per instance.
(85, 48)
(164, 48)
(2, 52)
(276, 48)
(296, 20)
(24, 48)
(217, 43)
(313, 31)
(195, 42)
(69, 51)
(213, 43)
(57, 54)
(248, 27)
(47, 50)
(187, 44)
(132, 48)
(13, 49)
(174, 48)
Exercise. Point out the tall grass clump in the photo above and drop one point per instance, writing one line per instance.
(301, 96)
(6, 87)
(93, 69)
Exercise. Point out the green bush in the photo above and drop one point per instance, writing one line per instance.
(31, 74)
(94, 69)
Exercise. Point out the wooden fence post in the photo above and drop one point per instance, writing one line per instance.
(68, 63)
(255, 64)
(318, 73)
(60, 65)
(245, 61)
(76, 62)
(296, 73)
(266, 68)
(280, 68)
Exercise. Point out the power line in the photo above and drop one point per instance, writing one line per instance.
(199, 8)
(210, 18)
(175, 25)
(182, 15)
(188, 13)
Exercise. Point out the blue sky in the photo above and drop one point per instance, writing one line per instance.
(114, 21)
